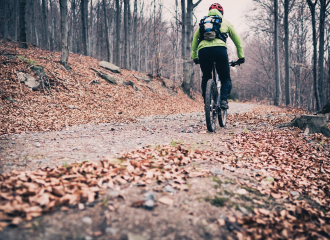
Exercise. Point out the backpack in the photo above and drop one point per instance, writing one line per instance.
(209, 28)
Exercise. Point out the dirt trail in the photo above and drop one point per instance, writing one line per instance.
(190, 216)
(233, 189)
(29, 151)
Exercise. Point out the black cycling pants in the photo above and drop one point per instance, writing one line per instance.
(207, 56)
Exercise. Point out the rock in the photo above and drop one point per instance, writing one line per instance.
(11, 100)
(88, 238)
(149, 204)
(146, 79)
(295, 193)
(113, 193)
(109, 78)
(242, 191)
(133, 236)
(149, 196)
(216, 171)
(111, 230)
(41, 73)
(229, 168)
(87, 220)
(149, 200)
(72, 107)
(244, 210)
(109, 66)
(37, 144)
(28, 80)
(39, 70)
(130, 83)
(168, 189)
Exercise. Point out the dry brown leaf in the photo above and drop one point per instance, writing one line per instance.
(166, 201)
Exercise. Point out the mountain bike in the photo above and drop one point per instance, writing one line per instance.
(212, 101)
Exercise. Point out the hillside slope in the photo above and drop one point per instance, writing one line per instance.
(78, 96)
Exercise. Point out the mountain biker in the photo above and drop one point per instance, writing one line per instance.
(206, 52)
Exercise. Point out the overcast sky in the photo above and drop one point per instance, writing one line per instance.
(234, 11)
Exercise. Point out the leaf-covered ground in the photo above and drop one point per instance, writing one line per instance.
(73, 97)
(268, 183)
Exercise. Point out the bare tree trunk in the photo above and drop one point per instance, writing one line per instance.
(188, 66)
(139, 40)
(98, 30)
(176, 43)
(126, 63)
(278, 96)
(117, 33)
(33, 24)
(323, 8)
(91, 40)
(316, 88)
(52, 26)
(287, 53)
(5, 25)
(84, 22)
(64, 32)
(16, 27)
(183, 29)
(22, 28)
(73, 24)
(106, 20)
(129, 19)
(45, 24)
(135, 29)
(185, 85)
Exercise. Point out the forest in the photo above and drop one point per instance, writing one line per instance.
(286, 46)
(104, 133)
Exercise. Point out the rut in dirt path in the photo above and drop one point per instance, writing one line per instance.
(29, 151)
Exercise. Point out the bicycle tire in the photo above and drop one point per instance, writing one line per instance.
(210, 105)
(222, 117)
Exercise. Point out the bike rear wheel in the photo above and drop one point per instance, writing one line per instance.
(211, 105)
(222, 116)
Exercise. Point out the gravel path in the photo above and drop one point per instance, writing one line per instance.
(29, 151)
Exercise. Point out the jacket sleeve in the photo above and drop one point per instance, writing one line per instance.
(237, 40)
(194, 53)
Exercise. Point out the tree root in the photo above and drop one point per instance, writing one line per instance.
(310, 124)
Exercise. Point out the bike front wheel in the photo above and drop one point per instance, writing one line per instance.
(222, 116)
(211, 105)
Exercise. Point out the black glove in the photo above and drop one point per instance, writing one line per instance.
(241, 60)
(196, 61)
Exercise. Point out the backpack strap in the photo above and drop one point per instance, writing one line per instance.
(217, 26)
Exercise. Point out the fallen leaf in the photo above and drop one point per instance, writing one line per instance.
(166, 201)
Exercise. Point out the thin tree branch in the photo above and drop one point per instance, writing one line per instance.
(196, 4)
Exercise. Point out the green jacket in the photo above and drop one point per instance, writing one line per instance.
(226, 27)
